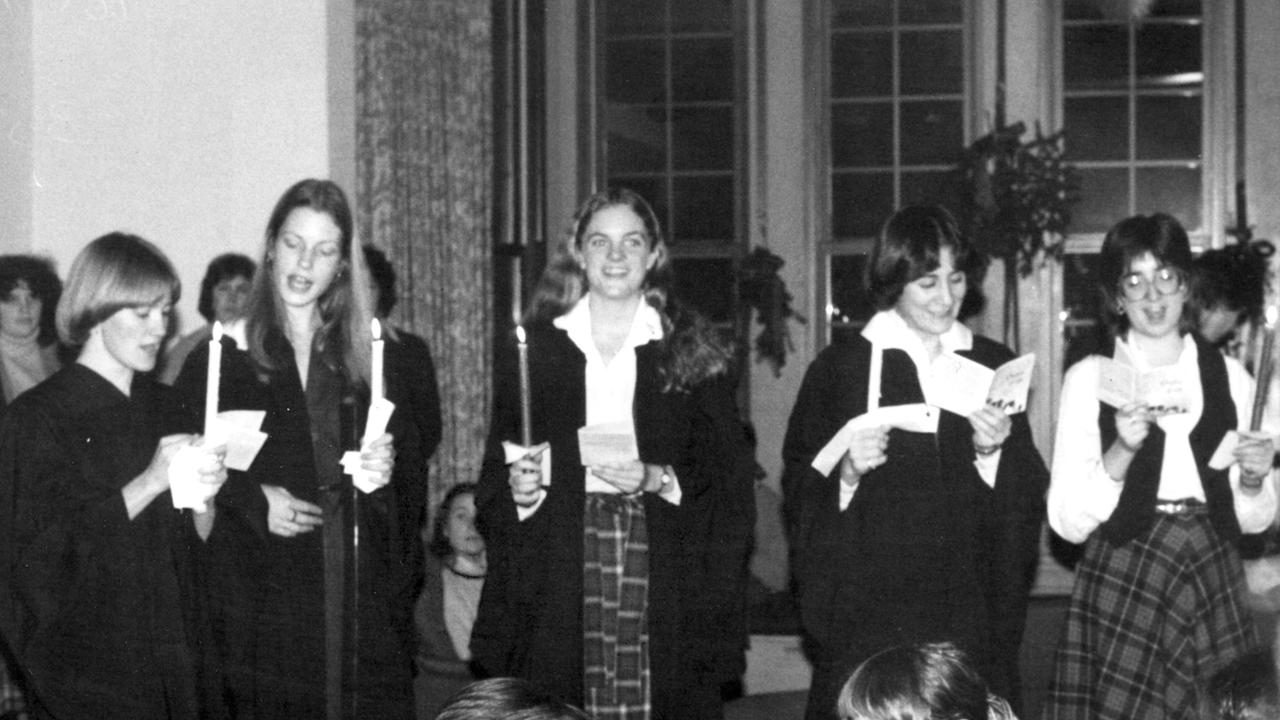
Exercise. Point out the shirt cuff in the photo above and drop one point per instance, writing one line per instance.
(988, 466)
(524, 512)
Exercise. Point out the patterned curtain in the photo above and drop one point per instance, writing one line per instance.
(423, 195)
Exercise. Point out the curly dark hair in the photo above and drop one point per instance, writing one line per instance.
(42, 281)
(227, 265)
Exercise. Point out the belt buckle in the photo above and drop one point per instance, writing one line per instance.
(1186, 507)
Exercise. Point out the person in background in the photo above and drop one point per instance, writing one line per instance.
(293, 587)
(914, 535)
(224, 297)
(929, 681)
(99, 598)
(506, 698)
(450, 598)
(1228, 288)
(29, 349)
(1157, 606)
(29, 353)
(589, 594)
(411, 374)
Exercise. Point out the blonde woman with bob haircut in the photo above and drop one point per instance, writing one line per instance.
(107, 625)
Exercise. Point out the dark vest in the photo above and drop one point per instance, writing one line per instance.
(1135, 513)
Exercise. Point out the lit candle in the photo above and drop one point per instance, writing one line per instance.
(526, 426)
(213, 378)
(375, 368)
(1265, 362)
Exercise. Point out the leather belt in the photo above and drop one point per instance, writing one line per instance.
(1186, 507)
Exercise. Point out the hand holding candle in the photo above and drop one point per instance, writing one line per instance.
(526, 427)
(213, 378)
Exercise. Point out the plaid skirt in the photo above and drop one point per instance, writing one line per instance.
(615, 601)
(1149, 623)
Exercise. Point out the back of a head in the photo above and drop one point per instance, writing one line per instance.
(1245, 690)
(506, 699)
(932, 681)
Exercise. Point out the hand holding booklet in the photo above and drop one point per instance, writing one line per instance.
(1160, 391)
(961, 385)
(918, 417)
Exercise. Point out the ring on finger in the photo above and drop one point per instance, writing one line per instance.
(294, 517)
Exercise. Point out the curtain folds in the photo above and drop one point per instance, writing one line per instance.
(424, 194)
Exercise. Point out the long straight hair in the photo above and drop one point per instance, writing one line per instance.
(345, 307)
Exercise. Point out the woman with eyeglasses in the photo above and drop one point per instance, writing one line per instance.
(1149, 481)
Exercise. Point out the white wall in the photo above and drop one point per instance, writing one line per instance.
(179, 121)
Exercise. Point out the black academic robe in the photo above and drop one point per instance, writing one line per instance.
(269, 591)
(100, 608)
(530, 618)
(926, 550)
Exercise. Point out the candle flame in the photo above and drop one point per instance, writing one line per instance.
(1273, 314)
(217, 331)
(520, 335)
(375, 329)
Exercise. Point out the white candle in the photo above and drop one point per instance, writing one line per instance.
(1265, 363)
(375, 369)
(213, 378)
(526, 426)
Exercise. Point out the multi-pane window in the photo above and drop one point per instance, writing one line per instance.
(672, 121)
(897, 107)
(1133, 105)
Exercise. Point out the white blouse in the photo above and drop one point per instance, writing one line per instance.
(1082, 495)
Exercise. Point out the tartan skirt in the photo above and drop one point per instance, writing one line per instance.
(615, 602)
(1149, 623)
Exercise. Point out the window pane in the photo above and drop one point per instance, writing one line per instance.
(862, 134)
(930, 11)
(1083, 328)
(702, 69)
(633, 17)
(936, 187)
(1176, 8)
(1168, 55)
(702, 138)
(1171, 190)
(701, 16)
(637, 138)
(860, 13)
(860, 203)
(1168, 128)
(1104, 199)
(861, 65)
(1095, 57)
(703, 208)
(651, 188)
(932, 62)
(850, 301)
(1097, 128)
(635, 71)
(707, 285)
(932, 132)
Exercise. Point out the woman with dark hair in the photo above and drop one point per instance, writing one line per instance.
(313, 622)
(450, 597)
(1157, 605)
(929, 681)
(594, 588)
(1228, 289)
(506, 698)
(224, 296)
(29, 350)
(99, 598)
(922, 534)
